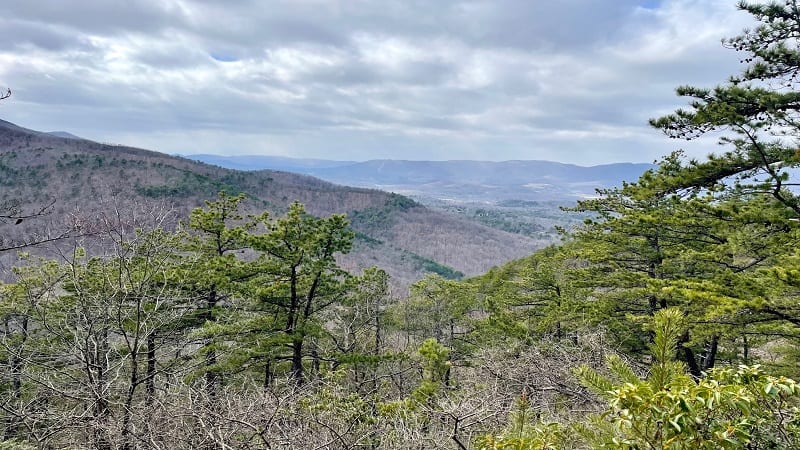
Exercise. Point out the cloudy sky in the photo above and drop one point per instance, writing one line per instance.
(568, 80)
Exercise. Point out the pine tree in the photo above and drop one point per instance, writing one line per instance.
(295, 277)
(760, 107)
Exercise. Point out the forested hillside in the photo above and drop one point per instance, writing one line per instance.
(668, 319)
(83, 179)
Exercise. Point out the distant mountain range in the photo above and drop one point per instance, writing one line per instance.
(484, 181)
(257, 162)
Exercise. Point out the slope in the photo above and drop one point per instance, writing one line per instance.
(87, 179)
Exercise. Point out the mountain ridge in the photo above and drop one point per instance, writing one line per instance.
(468, 180)
(397, 233)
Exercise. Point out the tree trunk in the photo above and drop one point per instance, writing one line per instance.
(268, 376)
(689, 357)
(745, 349)
(101, 410)
(314, 360)
(150, 383)
(127, 408)
(211, 355)
(710, 354)
(15, 364)
(296, 370)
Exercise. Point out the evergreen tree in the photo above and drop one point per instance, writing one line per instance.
(760, 106)
(219, 232)
(759, 111)
(296, 278)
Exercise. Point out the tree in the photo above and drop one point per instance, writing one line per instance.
(220, 232)
(13, 214)
(633, 246)
(357, 330)
(760, 106)
(439, 309)
(760, 111)
(293, 280)
(706, 252)
(89, 337)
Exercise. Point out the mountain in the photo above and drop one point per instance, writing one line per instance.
(92, 181)
(482, 181)
(485, 180)
(257, 162)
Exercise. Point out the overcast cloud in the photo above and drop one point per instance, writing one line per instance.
(570, 80)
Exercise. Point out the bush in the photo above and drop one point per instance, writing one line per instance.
(728, 408)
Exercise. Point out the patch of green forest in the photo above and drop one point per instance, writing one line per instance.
(380, 218)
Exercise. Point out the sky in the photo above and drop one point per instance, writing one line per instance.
(572, 81)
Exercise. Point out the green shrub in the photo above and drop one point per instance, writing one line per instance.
(728, 408)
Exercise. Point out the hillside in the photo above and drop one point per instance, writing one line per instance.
(86, 178)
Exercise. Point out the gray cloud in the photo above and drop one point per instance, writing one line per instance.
(107, 17)
(574, 80)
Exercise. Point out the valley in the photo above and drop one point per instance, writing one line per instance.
(520, 197)
(85, 180)
(457, 181)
